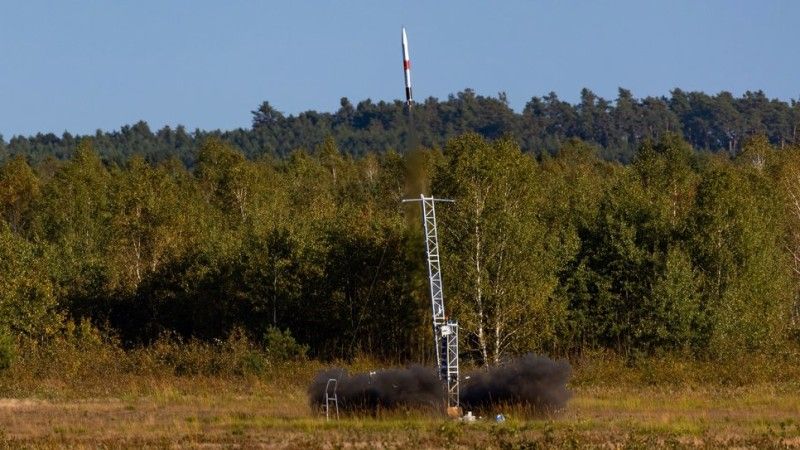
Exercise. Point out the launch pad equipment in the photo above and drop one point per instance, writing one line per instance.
(331, 398)
(445, 332)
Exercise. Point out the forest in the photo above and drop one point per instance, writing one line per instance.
(678, 251)
(711, 123)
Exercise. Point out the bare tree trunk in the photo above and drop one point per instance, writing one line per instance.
(674, 202)
(241, 198)
(794, 244)
(498, 292)
(479, 284)
(137, 248)
(498, 325)
(719, 266)
(479, 298)
(275, 296)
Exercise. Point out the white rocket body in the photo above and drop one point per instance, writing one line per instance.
(407, 69)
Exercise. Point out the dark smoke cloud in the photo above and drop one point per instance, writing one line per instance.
(413, 387)
(534, 381)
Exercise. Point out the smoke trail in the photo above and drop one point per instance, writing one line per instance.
(413, 387)
(531, 381)
(412, 141)
(534, 381)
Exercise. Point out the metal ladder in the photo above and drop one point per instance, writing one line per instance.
(331, 397)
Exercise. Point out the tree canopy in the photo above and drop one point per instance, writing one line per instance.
(712, 123)
(678, 251)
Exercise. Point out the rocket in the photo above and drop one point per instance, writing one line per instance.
(407, 69)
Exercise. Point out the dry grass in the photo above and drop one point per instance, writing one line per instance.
(86, 393)
(255, 413)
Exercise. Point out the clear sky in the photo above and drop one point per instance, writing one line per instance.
(85, 65)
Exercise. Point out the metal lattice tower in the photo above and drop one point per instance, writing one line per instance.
(445, 332)
(448, 372)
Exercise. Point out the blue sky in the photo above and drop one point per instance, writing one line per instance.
(85, 65)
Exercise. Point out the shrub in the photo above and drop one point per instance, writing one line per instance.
(281, 346)
(28, 304)
(8, 349)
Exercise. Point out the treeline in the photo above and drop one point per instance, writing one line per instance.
(677, 251)
(712, 123)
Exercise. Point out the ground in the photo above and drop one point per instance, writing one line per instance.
(257, 414)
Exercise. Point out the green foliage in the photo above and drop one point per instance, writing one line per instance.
(281, 346)
(236, 355)
(744, 265)
(492, 242)
(718, 122)
(28, 303)
(8, 350)
(19, 190)
(677, 259)
(676, 253)
(671, 313)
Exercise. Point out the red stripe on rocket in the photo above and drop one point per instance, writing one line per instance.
(407, 68)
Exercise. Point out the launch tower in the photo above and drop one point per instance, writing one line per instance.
(445, 331)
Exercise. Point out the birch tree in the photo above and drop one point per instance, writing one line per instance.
(19, 189)
(148, 225)
(492, 246)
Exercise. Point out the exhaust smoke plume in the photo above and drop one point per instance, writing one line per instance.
(533, 381)
(413, 387)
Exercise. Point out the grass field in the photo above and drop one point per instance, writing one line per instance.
(255, 412)
(83, 390)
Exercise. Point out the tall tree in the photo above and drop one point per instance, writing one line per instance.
(19, 190)
(492, 246)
